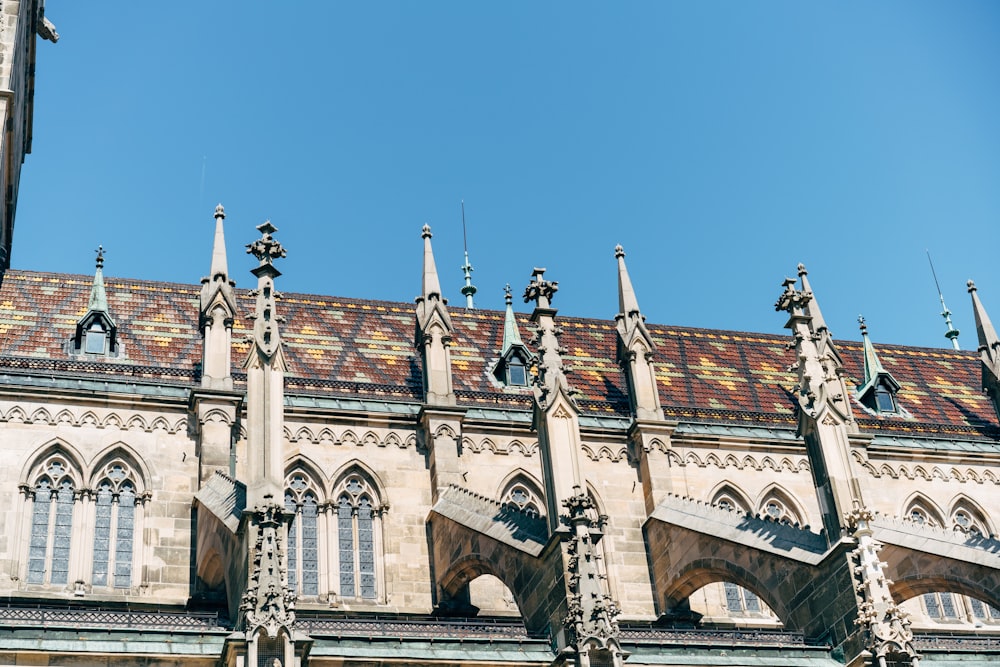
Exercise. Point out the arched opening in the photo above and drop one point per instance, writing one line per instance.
(491, 597)
(728, 604)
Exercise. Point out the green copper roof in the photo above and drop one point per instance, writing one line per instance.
(511, 335)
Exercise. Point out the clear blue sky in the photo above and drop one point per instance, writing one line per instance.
(720, 142)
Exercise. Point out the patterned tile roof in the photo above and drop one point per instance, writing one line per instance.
(351, 347)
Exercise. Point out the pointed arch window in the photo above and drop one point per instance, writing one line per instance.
(115, 502)
(921, 512)
(524, 495)
(968, 520)
(729, 499)
(54, 496)
(779, 508)
(302, 502)
(358, 538)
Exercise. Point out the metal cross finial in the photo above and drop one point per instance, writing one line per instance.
(100, 256)
(507, 297)
(863, 326)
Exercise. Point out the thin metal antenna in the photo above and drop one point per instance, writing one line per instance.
(468, 290)
(952, 333)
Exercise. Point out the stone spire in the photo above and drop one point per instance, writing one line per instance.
(98, 301)
(989, 348)
(635, 348)
(556, 416)
(265, 366)
(826, 421)
(434, 332)
(218, 310)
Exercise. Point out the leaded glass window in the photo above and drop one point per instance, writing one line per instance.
(51, 524)
(114, 527)
(303, 535)
(357, 547)
(345, 536)
(740, 600)
(102, 534)
(941, 606)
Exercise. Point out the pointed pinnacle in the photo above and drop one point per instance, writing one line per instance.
(430, 284)
(818, 323)
(627, 302)
(988, 341)
(98, 297)
(220, 267)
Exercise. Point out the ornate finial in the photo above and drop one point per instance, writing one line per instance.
(862, 325)
(507, 296)
(971, 285)
(100, 256)
(802, 270)
(619, 251)
(540, 290)
(220, 212)
(266, 249)
(425, 232)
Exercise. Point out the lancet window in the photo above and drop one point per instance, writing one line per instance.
(53, 494)
(302, 502)
(358, 518)
(115, 500)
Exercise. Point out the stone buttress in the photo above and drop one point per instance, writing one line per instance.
(589, 630)
(214, 404)
(440, 421)
(649, 434)
(828, 426)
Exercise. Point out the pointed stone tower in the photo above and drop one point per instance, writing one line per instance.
(826, 421)
(218, 310)
(649, 435)
(215, 404)
(265, 367)
(267, 611)
(989, 349)
(440, 419)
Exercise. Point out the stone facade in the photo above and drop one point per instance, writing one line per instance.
(204, 475)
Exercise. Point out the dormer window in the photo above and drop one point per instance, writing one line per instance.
(884, 402)
(878, 390)
(96, 333)
(97, 339)
(512, 368)
(516, 373)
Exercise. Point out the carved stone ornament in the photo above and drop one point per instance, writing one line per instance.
(268, 604)
(591, 621)
(886, 626)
